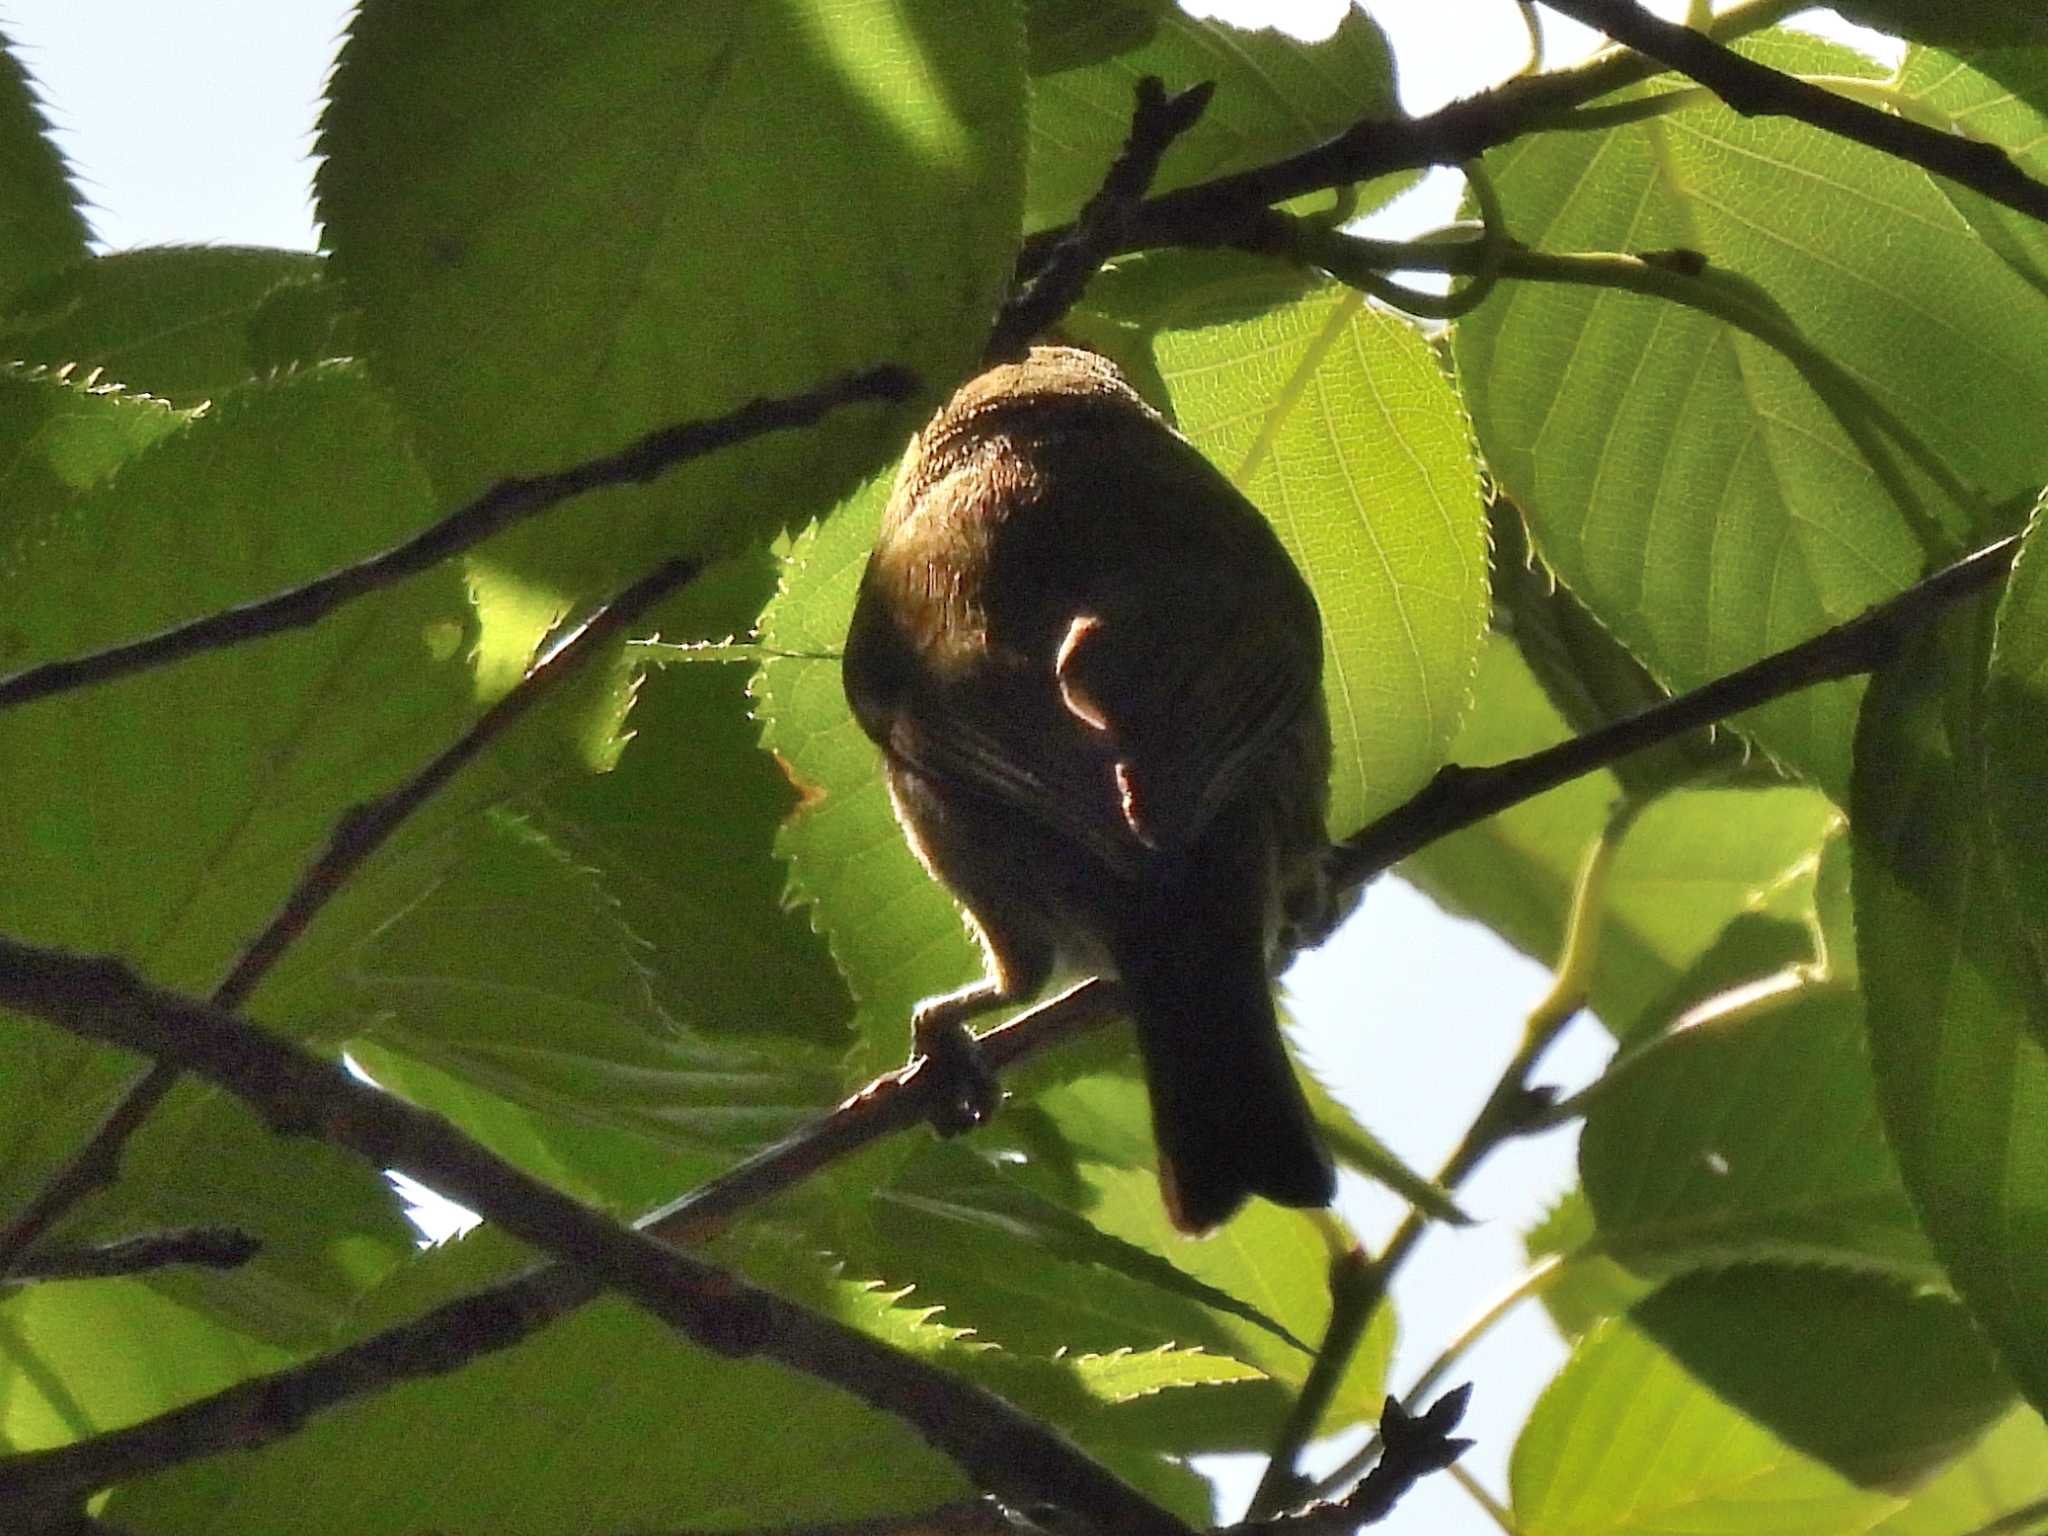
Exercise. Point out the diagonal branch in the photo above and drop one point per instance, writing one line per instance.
(1457, 797)
(360, 832)
(268, 1408)
(1757, 90)
(502, 506)
(296, 1093)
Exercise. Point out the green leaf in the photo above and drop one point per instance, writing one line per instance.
(1587, 1287)
(83, 1357)
(1275, 94)
(2016, 765)
(893, 931)
(682, 832)
(1107, 1403)
(178, 323)
(1627, 1439)
(570, 1029)
(1685, 479)
(59, 438)
(164, 816)
(1824, 1360)
(2005, 1474)
(1281, 1259)
(1962, 1077)
(1750, 1133)
(1952, 21)
(1997, 96)
(1128, 1374)
(1591, 680)
(952, 1222)
(40, 225)
(1070, 34)
(603, 1421)
(567, 228)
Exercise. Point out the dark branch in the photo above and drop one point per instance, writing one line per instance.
(1457, 797)
(1357, 1285)
(1416, 1445)
(1049, 289)
(1214, 212)
(1413, 1446)
(265, 1409)
(1757, 90)
(93, 1166)
(503, 505)
(365, 828)
(1007, 1452)
(206, 1247)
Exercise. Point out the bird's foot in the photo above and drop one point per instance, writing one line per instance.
(967, 1092)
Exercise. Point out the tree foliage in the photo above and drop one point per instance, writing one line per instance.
(1707, 384)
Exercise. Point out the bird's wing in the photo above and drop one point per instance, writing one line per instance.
(1194, 683)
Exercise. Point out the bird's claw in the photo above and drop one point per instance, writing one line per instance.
(967, 1093)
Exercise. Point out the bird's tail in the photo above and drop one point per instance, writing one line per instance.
(1228, 1114)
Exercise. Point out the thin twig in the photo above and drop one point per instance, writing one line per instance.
(206, 1247)
(365, 828)
(1757, 90)
(95, 1165)
(503, 505)
(1415, 1445)
(359, 833)
(1047, 290)
(1357, 1284)
(1006, 1451)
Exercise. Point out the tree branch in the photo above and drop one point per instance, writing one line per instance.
(505, 504)
(1458, 796)
(1006, 1451)
(1413, 1446)
(207, 1247)
(1757, 90)
(265, 1409)
(1211, 212)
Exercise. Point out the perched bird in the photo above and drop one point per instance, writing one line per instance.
(1095, 677)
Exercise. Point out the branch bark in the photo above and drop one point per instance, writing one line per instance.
(504, 505)
(1006, 1451)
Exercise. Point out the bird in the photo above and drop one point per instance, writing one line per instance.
(1095, 678)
